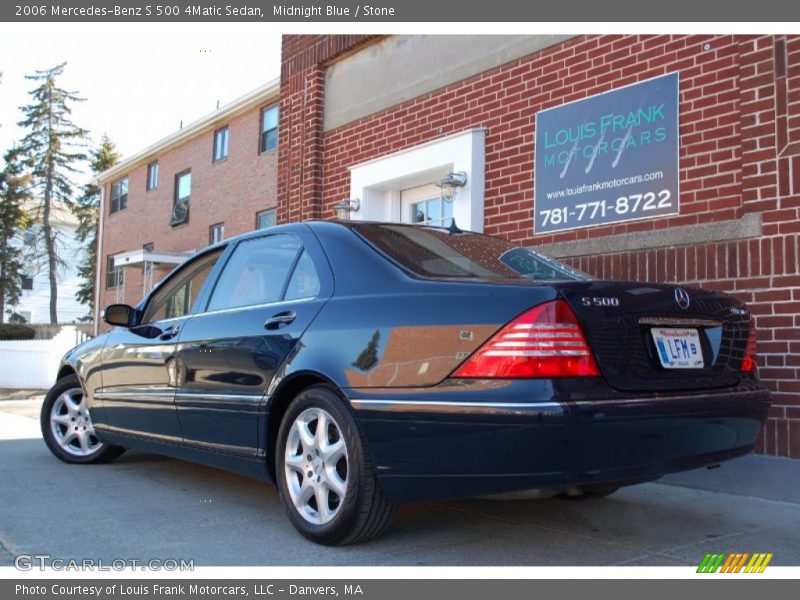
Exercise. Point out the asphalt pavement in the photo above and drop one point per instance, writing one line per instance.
(144, 507)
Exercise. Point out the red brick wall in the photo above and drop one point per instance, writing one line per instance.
(740, 153)
(300, 148)
(231, 191)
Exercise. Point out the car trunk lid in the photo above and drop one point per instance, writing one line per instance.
(654, 337)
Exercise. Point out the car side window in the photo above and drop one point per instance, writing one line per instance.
(178, 296)
(304, 282)
(256, 272)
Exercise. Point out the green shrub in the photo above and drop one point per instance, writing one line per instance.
(11, 331)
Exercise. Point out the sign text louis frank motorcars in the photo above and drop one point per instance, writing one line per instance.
(608, 158)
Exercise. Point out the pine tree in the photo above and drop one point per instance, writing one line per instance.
(13, 192)
(52, 150)
(87, 209)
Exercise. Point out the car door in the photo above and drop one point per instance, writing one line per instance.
(267, 294)
(138, 364)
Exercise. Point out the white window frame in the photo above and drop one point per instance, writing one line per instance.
(424, 195)
(119, 196)
(152, 176)
(221, 144)
(273, 211)
(377, 183)
(262, 131)
(216, 233)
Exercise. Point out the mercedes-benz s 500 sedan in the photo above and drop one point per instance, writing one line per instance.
(358, 365)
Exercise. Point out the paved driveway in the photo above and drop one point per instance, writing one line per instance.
(143, 506)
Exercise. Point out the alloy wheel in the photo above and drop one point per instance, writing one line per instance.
(316, 467)
(72, 426)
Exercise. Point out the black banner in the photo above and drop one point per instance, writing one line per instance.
(387, 589)
(399, 11)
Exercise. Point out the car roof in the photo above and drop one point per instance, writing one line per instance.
(315, 225)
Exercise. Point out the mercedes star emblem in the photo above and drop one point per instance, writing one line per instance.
(682, 298)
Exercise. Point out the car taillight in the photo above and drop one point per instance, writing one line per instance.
(545, 341)
(749, 362)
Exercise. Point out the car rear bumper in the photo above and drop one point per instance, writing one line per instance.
(471, 438)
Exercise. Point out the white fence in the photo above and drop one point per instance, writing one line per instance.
(33, 364)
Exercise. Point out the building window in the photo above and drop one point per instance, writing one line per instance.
(389, 187)
(148, 247)
(113, 273)
(432, 212)
(265, 218)
(119, 195)
(216, 233)
(180, 205)
(152, 175)
(424, 205)
(27, 282)
(221, 144)
(269, 128)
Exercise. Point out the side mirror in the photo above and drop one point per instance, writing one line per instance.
(121, 315)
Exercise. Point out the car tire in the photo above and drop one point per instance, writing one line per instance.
(327, 481)
(67, 426)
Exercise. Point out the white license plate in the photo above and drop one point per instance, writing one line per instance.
(678, 348)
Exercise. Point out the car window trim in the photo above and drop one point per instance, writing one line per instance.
(205, 294)
(230, 253)
(310, 244)
(276, 303)
(163, 321)
(177, 272)
(292, 270)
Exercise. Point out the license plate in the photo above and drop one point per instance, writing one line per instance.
(678, 348)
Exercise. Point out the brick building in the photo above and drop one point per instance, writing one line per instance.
(381, 119)
(382, 126)
(214, 178)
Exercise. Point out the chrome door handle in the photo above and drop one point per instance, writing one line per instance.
(282, 318)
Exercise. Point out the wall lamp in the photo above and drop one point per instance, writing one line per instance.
(345, 207)
(450, 182)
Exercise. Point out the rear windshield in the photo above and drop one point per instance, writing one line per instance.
(433, 252)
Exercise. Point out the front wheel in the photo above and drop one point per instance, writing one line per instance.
(67, 426)
(325, 476)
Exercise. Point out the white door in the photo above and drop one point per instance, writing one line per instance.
(424, 205)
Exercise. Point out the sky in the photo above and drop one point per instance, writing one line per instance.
(142, 79)
(139, 80)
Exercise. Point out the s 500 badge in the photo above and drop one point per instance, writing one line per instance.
(600, 301)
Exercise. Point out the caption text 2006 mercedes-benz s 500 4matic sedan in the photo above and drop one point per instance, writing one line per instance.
(358, 365)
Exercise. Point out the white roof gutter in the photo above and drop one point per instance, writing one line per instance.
(266, 93)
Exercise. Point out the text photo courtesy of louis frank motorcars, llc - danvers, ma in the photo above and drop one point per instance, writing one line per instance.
(283, 291)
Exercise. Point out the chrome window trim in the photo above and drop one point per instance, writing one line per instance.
(252, 306)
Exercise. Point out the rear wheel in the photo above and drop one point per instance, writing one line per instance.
(67, 426)
(325, 476)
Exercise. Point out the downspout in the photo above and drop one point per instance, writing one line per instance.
(99, 258)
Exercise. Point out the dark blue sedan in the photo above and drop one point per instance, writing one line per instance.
(358, 365)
